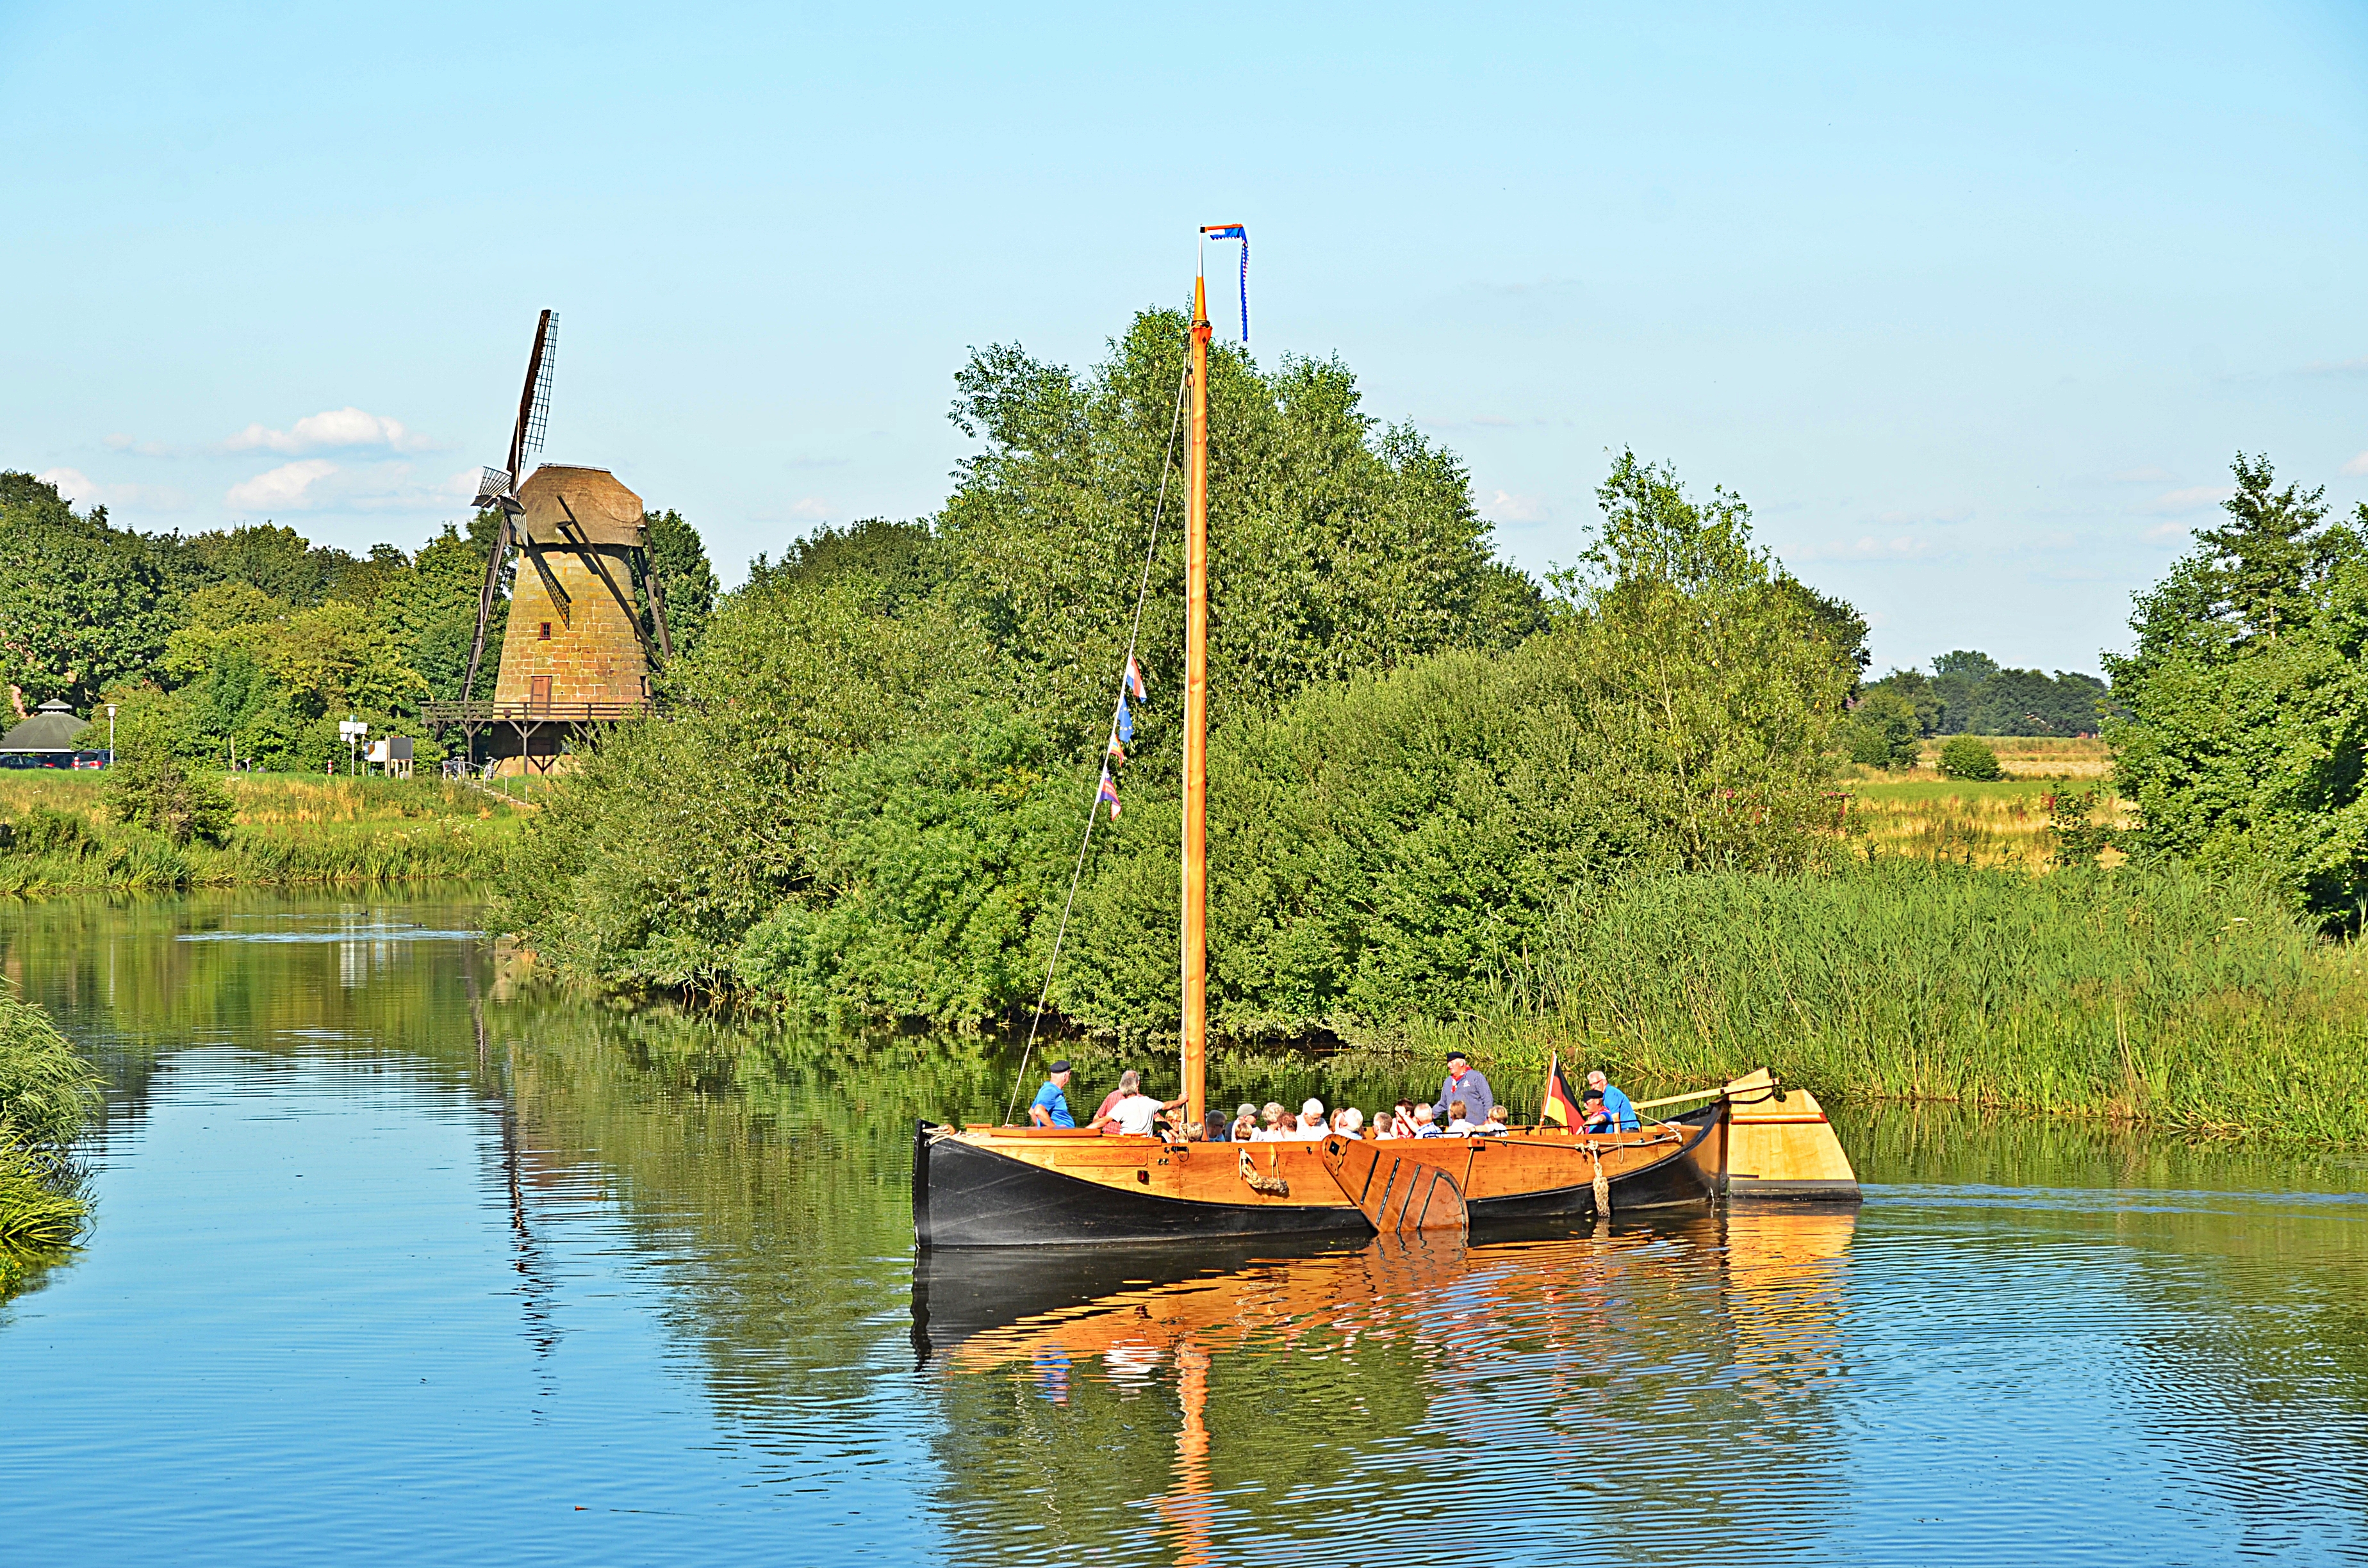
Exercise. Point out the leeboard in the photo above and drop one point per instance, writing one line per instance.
(1397, 1196)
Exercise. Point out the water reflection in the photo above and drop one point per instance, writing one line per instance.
(691, 1240)
(1595, 1371)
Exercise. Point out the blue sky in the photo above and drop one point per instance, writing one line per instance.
(1973, 307)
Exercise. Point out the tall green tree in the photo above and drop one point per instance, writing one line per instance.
(678, 558)
(82, 605)
(2244, 742)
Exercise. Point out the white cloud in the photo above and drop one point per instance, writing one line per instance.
(2357, 466)
(1508, 507)
(290, 487)
(316, 484)
(123, 443)
(2167, 531)
(337, 429)
(83, 490)
(2194, 498)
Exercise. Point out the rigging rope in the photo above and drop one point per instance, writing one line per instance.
(1142, 593)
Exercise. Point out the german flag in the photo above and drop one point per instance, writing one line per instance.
(1561, 1107)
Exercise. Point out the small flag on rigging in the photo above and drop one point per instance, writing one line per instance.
(1125, 725)
(1134, 678)
(1109, 791)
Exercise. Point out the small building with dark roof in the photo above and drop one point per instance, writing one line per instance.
(46, 739)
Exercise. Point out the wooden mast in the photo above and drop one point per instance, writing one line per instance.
(1196, 723)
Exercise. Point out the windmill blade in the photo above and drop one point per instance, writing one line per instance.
(486, 601)
(534, 399)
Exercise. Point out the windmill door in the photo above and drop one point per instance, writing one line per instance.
(538, 691)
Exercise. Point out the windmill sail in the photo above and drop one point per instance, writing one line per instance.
(498, 487)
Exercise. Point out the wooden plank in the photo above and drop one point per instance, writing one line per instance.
(1396, 1194)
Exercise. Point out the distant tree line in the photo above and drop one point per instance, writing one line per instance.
(253, 636)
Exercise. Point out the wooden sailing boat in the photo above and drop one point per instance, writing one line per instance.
(1031, 1186)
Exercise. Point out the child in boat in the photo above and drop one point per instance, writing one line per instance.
(1497, 1123)
(1424, 1124)
(1457, 1124)
(1597, 1119)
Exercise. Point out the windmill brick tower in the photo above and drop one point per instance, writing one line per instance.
(574, 654)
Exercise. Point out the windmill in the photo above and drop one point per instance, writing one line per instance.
(583, 535)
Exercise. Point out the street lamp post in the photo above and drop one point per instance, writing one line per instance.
(353, 729)
(111, 734)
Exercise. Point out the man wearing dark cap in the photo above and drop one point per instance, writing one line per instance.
(1051, 1106)
(1463, 1083)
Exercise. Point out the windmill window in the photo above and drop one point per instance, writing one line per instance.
(543, 635)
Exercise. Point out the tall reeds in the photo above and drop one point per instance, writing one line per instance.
(48, 1094)
(2154, 996)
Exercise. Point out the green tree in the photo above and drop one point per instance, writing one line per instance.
(82, 604)
(431, 611)
(678, 558)
(2244, 714)
(1883, 731)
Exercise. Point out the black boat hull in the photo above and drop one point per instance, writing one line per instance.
(964, 1195)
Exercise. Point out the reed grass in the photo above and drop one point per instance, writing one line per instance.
(48, 1094)
(290, 830)
(2155, 997)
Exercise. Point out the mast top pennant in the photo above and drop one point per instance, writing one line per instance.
(1235, 232)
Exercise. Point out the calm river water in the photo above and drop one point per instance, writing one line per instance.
(395, 1266)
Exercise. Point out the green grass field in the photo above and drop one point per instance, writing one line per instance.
(291, 829)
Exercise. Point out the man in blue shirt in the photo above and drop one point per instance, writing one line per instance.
(1463, 1083)
(1050, 1107)
(1616, 1106)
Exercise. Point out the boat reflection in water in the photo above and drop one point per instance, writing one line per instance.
(1585, 1372)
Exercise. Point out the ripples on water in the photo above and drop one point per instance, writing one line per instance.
(395, 1266)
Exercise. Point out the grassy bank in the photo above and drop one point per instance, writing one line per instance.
(2160, 998)
(46, 1094)
(288, 830)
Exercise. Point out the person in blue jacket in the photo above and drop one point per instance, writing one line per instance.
(1051, 1106)
(1616, 1106)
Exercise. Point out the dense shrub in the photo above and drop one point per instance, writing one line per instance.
(171, 797)
(1963, 756)
(44, 830)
